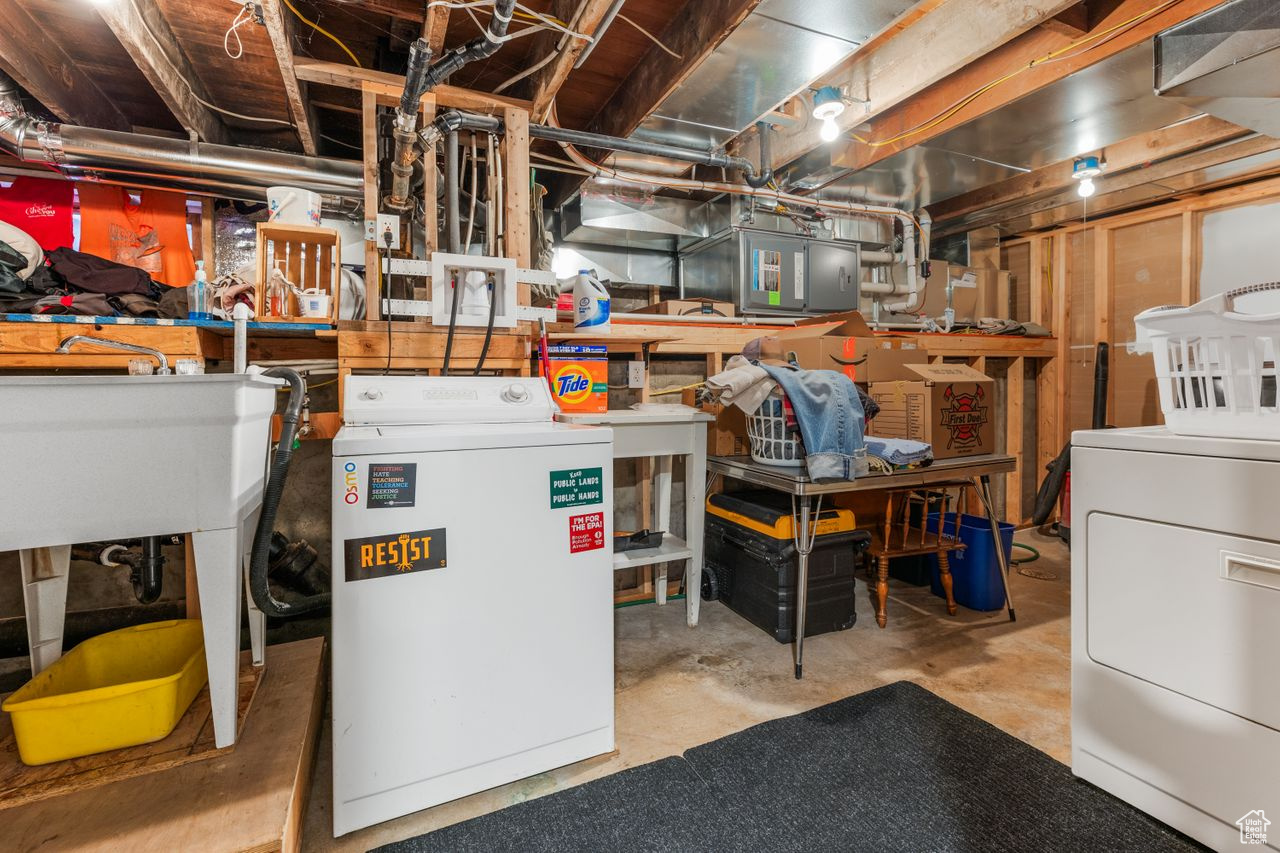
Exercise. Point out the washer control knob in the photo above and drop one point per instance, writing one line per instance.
(515, 394)
(372, 394)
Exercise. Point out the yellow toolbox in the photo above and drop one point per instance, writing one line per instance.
(118, 689)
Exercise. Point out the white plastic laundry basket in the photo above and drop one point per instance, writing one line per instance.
(767, 430)
(1216, 367)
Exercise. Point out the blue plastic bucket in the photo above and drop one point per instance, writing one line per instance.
(975, 571)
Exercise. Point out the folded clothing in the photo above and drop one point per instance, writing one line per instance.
(741, 384)
(899, 451)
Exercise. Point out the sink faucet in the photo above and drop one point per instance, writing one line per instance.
(67, 343)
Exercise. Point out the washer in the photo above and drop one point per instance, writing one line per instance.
(473, 592)
(1175, 627)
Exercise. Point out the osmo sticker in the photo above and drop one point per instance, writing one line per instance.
(395, 554)
(351, 480)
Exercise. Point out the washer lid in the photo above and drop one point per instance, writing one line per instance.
(1158, 439)
(376, 400)
(429, 438)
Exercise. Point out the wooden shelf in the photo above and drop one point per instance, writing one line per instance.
(672, 548)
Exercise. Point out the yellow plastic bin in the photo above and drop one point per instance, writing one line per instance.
(118, 689)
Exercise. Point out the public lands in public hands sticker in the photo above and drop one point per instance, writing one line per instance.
(392, 485)
(395, 554)
(577, 487)
(586, 532)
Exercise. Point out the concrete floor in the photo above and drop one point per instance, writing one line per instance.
(680, 687)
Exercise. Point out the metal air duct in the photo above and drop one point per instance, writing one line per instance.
(132, 158)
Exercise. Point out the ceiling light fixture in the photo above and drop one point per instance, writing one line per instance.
(827, 104)
(1084, 170)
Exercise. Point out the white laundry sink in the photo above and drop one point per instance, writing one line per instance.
(115, 457)
(121, 457)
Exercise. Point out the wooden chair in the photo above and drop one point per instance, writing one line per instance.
(898, 538)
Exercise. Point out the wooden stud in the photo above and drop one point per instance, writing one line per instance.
(515, 164)
(1102, 299)
(389, 86)
(434, 28)
(372, 259)
(545, 83)
(1015, 415)
(1190, 255)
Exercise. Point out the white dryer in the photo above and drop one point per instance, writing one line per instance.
(472, 592)
(1175, 628)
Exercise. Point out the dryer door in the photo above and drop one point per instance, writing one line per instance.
(1190, 610)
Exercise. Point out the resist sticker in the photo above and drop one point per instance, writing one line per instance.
(577, 487)
(395, 554)
(392, 485)
(586, 532)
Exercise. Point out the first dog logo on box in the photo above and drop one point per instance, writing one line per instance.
(395, 554)
(965, 416)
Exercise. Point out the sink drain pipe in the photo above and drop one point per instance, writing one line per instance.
(260, 558)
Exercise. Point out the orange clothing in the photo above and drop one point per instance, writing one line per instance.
(150, 235)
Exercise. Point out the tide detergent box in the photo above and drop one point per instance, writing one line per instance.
(580, 377)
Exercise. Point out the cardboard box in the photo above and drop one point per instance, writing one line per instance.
(950, 406)
(727, 434)
(580, 377)
(846, 343)
(679, 307)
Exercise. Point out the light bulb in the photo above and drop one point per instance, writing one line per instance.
(830, 130)
(1086, 188)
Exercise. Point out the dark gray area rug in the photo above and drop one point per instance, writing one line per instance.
(893, 769)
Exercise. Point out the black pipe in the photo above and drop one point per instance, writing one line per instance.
(480, 47)
(279, 473)
(148, 575)
(415, 79)
(1101, 370)
(766, 167)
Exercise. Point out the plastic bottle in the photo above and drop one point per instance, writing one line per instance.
(590, 304)
(198, 296)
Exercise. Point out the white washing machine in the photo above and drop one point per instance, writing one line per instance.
(1175, 628)
(472, 592)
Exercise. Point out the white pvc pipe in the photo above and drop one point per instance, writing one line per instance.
(912, 302)
(240, 332)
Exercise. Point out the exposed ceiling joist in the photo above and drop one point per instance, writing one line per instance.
(1073, 22)
(434, 28)
(38, 63)
(694, 34)
(146, 36)
(1189, 173)
(937, 44)
(933, 111)
(545, 83)
(405, 10)
(350, 77)
(280, 31)
(985, 206)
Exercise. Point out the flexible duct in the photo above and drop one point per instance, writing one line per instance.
(133, 158)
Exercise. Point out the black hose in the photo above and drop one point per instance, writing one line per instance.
(1101, 371)
(488, 332)
(453, 324)
(415, 77)
(260, 559)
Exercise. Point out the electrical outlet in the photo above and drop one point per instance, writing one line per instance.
(387, 224)
(635, 374)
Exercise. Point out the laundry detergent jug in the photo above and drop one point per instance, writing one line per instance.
(590, 304)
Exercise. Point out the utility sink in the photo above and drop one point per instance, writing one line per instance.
(90, 458)
(117, 457)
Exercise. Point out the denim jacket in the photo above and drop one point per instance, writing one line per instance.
(830, 416)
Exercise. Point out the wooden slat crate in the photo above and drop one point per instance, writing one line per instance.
(309, 257)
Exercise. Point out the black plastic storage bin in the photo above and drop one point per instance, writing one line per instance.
(752, 555)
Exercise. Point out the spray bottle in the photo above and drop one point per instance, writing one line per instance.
(198, 295)
(590, 303)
